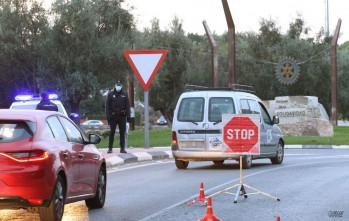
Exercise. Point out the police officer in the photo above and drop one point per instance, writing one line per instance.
(46, 104)
(117, 110)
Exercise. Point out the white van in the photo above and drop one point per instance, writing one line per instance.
(197, 125)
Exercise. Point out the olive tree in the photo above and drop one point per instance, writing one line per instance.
(86, 39)
(23, 33)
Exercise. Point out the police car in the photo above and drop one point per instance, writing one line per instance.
(29, 101)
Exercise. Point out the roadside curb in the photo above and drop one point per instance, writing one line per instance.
(121, 159)
(144, 155)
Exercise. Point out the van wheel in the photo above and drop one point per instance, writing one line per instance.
(180, 164)
(56, 208)
(279, 155)
(218, 162)
(99, 199)
(246, 162)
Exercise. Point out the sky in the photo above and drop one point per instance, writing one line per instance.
(246, 14)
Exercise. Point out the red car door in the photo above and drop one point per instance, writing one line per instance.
(89, 168)
(68, 155)
(84, 158)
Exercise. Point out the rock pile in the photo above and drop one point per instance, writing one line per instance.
(300, 116)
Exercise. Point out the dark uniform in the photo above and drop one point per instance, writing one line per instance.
(117, 110)
(46, 104)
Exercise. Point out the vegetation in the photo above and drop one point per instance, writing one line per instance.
(162, 138)
(76, 49)
(340, 138)
(157, 138)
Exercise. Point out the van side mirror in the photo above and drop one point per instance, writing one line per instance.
(276, 120)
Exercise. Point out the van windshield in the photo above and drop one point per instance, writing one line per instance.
(191, 109)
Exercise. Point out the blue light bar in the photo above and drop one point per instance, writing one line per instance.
(23, 97)
(28, 97)
(53, 96)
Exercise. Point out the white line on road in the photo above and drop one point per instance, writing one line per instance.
(114, 170)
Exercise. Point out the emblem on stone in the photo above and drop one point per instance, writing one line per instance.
(287, 71)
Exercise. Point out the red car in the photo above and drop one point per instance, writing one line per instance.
(46, 161)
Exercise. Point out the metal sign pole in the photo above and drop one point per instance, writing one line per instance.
(146, 120)
(240, 190)
(240, 169)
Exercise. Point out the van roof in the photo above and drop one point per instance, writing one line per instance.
(219, 93)
(234, 87)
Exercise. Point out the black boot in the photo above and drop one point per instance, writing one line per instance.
(110, 150)
(122, 150)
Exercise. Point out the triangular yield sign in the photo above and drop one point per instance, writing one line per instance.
(145, 64)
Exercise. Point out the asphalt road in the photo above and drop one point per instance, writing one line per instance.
(311, 185)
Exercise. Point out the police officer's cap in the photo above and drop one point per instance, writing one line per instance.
(118, 82)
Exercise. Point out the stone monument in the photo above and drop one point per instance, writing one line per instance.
(300, 116)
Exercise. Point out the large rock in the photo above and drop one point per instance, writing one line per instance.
(300, 116)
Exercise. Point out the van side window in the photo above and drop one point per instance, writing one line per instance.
(249, 106)
(254, 107)
(265, 115)
(191, 109)
(245, 108)
(219, 106)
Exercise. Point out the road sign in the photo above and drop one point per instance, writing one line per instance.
(241, 134)
(145, 64)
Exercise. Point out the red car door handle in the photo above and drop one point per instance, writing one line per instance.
(65, 154)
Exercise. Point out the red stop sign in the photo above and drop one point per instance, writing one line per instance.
(240, 134)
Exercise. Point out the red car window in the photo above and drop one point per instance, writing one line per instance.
(11, 131)
(57, 129)
(73, 133)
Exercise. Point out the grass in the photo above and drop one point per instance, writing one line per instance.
(340, 138)
(162, 137)
(157, 138)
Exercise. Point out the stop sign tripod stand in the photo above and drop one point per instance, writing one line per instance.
(241, 137)
(241, 189)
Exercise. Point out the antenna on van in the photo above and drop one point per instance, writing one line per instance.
(234, 87)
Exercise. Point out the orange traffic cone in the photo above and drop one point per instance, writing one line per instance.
(209, 213)
(201, 197)
(278, 218)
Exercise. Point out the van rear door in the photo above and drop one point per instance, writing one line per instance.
(216, 107)
(190, 125)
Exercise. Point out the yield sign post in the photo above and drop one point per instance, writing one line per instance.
(145, 64)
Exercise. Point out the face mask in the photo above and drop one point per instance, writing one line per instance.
(118, 88)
